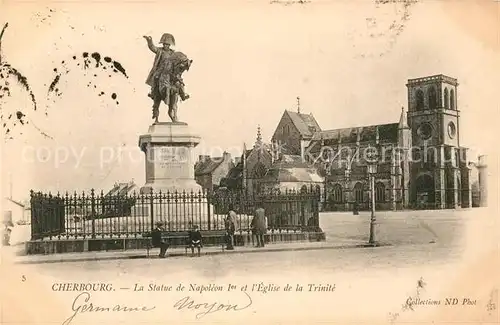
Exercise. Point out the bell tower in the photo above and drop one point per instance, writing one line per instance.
(433, 117)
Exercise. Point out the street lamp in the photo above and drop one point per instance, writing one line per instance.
(325, 185)
(372, 170)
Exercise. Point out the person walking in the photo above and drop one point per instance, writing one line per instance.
(230, 228)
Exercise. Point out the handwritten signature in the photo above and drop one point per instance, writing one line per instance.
(82, 304)
(208, 308)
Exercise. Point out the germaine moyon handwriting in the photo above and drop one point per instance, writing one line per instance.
(82, 304)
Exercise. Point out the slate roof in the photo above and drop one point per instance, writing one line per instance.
(387, 133)
(207, 166)
(305, 123)
(282, 175)
(291, 168)
(122, 189)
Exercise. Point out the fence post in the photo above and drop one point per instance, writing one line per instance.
(34, 232)
(151, 209)
(208, 206)
(92, 203)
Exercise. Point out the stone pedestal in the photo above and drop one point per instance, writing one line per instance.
(169, 158)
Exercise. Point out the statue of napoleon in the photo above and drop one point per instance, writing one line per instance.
(165, 78)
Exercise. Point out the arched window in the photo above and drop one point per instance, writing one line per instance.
(337, 193)
(446, 99)
(258, 171)
(303, 189)
(286, 129)
(452, 99)
(432, 98)
(379, 192)
(358, 192)
(420, 100)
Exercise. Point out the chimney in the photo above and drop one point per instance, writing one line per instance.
(226, 156)
(203, 158)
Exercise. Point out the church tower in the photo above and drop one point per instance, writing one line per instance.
(436, 156)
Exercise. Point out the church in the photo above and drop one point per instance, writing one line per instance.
(417, 161)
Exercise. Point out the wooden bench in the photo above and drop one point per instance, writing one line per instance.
(210, 238)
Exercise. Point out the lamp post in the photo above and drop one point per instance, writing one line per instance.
(372, 170)
(372, 161)
(327, 173)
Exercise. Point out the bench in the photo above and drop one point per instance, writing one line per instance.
(210, 238)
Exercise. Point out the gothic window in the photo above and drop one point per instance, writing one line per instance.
(446, 99)
(337, 193)
(420, 100)
(258, 171)
(358, 192)
(303, 189)
(432, 98)
(286, 129)
(452, 99)
(379, 192)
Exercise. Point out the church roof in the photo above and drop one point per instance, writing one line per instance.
(306, 124)
(387, 133)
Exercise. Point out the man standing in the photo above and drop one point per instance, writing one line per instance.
(259, 225)
(229, 225)
(158, 241)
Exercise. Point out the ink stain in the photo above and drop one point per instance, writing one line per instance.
(97, 58)
(88, 60)
(21, 80)
(120, 68)
(113, 95)
(54, 83)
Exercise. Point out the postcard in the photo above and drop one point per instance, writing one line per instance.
(260, 162)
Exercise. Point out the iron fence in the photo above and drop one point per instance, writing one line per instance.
(92, 215)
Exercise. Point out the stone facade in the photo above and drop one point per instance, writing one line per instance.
(420, 162)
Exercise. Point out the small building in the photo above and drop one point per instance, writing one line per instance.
(209, 171)
(290, 172)
(15, 211)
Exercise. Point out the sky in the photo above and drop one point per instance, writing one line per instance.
(349, 62)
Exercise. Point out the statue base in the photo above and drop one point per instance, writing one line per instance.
(169, 158)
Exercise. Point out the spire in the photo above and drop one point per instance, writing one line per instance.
(403, 121)
(298, 104)
(258, 142)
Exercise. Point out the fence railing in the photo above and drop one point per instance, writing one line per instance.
(92, 215)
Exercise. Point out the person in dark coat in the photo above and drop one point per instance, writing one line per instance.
(195, 240)
(157, 241)
(258, 225)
